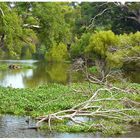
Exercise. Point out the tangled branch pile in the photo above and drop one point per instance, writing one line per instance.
(106, 103)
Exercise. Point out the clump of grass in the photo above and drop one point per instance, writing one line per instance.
(22, 66)
(3, 66)
(111, 128)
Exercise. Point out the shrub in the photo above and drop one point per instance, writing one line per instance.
(101, 42)
(77, 49)
(57, 53)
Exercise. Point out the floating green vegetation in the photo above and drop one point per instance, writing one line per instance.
(109, 128)
(48, 99)
(3, 66)
(15, 66)
(38, 101)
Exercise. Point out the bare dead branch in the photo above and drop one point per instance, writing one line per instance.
(89, 108)
(82, 109)
(31, 26)
(1, 11)
(99, 14)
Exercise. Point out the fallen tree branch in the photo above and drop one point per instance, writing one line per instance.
(95, 106)
(88, 109)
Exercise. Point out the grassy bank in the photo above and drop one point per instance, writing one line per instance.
(52, 98)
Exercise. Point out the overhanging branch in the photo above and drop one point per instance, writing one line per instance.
(1, 11)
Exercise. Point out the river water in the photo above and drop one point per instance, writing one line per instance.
(43, 73)
(13, 126)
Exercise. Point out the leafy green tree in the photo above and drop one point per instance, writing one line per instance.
(132, 52)
(114, 51)
(133, 10)
(13, 35)
(29, 30)
(78, 48)
(52, 23)
(101, 44)
(109, 16)
(58, 53)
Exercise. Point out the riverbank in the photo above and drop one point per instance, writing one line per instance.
(51, 98)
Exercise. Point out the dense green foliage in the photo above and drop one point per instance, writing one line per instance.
(14, 38)
(78, 48)
(111, 16)
(57, 53)
(106, 34)
(109, 51)
(38, 30)
(51, 98)
(38, 101)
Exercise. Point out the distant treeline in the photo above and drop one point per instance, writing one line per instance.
(97, 31)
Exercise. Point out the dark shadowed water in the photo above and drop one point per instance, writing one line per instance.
(42, 73)
(12, 126)
(133, 76)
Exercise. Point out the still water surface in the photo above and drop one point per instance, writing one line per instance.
(12, 126)
(42, 73)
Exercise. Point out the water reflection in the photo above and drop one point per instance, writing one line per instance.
(12, 126)
(42, 73)
(14, 78)
(16, 127)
